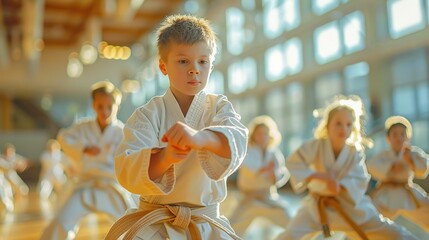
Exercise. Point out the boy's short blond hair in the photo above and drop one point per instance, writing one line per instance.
(185, 29)
(108, 88)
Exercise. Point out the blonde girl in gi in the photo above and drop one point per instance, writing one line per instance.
(332, 168)
(91, 144)
(261, 173)
(395, 168)
(180, 148)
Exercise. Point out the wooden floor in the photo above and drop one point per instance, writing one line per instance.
(32, 215)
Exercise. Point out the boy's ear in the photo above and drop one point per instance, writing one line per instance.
(162, 67)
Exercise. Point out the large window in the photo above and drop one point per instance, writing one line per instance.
(405, 17)
(275, 63)
(337, 38)
(280, 16)
(327, 42)
(353, 32)
(283, 59)
(293, 54)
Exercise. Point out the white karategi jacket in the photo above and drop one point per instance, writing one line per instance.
(199, 180)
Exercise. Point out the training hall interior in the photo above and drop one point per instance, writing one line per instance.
(282, 58)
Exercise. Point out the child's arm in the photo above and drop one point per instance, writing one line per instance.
(277, 169)
(418, 160)
(300, 167)
(181, 139)
(139, 155)
(355, 182)
(71, 142)
(162, 159)
(379, 166)
(225, 139)
(184, 137)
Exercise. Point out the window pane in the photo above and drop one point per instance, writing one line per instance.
(274, 63)
(272, 21)
(249, 108)
(248, 4)
(327, 87)
(327, 42)
(236, 78)
(354, 32)
(405, 16)
(291, 15)
(295, 106)
(423, 99)
(322, 6)
(275, 108)
(250, 70)
(410, 67)
(404, 102)
(242, 75)
(356, 82)
(215, 84)
(293, 53)
(235, 30)
(420, 133)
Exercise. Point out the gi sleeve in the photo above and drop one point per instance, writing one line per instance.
(72, 141)
(421, 161)
(300, 165)
(227, 122)
(379, 166)
(133, 156)
(357, 178)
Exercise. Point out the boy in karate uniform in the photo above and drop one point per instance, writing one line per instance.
(91, 144)
(395, 169)
(179, 148)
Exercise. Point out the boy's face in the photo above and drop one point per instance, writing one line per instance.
(340, 126)
(188, 67)
(396, 137)
(105, 108)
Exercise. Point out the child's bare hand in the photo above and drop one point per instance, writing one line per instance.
(92, 150)
(175, 154)
(184, 137)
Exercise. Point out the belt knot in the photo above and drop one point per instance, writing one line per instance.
(183, 216)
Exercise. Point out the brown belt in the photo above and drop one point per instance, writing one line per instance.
(322, 203)
(405, 185)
